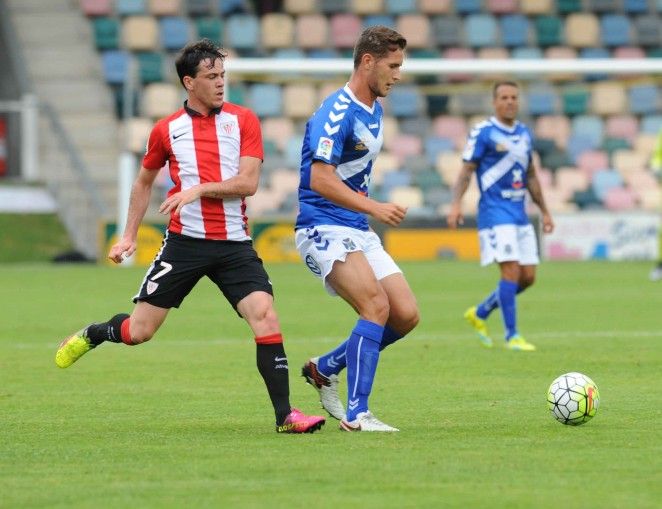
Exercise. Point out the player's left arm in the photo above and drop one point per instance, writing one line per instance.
(535, 190)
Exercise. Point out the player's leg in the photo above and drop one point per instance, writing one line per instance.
(246, 285)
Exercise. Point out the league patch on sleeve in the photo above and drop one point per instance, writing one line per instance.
(324, 148)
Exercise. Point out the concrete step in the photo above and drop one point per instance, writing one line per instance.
(51, 29)
(92, 129)
(39, 6)
(54, 63)
(79, 96)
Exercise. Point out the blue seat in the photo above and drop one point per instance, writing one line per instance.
(604, 180)
(542, 100)
(514, 30)
(615, 30)
(447, 31)
(395, 179)
(400, 6)
(644, 98)
(174, 32)
(130, 7)
(480, 30)
(323, 53)
(379, 19)
(266, 100)
(115, 65)
(150, 67)
(243, 32)
(405, 101)
(651, 124)
(595, 53)
(434, 145)
(332, 6)
(577, 145)
(530, 53)
(289, 53)
(229, 7)
(635, 6)
(590, 127)
(468, 6)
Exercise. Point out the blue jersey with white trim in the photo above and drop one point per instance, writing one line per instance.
(347, 134)
(502, 156)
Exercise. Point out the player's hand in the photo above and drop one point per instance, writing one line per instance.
(389, 213)
(178, 200)
(547, 223)
(122, 250)
(455, 217)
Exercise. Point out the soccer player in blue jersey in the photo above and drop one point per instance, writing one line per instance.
(343, 138)
(499, 151)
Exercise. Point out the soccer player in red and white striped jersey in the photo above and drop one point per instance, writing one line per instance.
(214, 153)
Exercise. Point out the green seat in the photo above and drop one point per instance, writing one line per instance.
(576, 100)
(236, 93)
(568, 6)
(549, 31)
(106, 33)
(210, 28)
(555, 158)
(610, 145)
(150, 67)
(427, 179)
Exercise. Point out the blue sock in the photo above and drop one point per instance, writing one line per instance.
(490, 304)
(333, 362)
(507, 291)
(362, 358)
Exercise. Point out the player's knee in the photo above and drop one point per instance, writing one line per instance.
(526, 280)
(375, 308)
(140, 333)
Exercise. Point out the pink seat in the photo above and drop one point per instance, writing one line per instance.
(278, 129)
(620, 198)
(458, 53)
(553, 127)
(591, 161)
(555, 52)
(453, 127)
(312, 31)
(568, 180)
(165, 7)
(435, 6)
(96, 7)
(345, 29)
(502, 6)
(416, 29)
(622, 126)
(407, 145)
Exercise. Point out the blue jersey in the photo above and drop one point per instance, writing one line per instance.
(502, 156)
(347, 134)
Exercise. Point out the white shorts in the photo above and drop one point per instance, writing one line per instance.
(320, 247)
(508, 242)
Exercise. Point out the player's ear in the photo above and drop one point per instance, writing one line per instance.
(188, 82)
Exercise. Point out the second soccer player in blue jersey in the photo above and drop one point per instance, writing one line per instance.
(342, 139)
(499, 151)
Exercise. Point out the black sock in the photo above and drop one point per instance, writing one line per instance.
(107, 331)
(272, 365)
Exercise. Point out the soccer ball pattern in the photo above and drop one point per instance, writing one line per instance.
(573, 398)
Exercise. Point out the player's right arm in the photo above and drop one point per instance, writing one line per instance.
(455, 217)
(140, 194)
(326, 183)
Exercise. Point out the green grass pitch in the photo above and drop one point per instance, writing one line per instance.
(184, 421)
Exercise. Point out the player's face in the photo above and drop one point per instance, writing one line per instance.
(385, 72)
(206, 89)
(506, 103)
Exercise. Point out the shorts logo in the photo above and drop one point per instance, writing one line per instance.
(349, 244)
(151, 287)
(313, 266)
(508, 249)
(324, 148)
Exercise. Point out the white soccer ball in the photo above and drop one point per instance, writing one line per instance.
(573, 398)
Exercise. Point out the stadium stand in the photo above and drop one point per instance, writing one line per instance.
(594, 132)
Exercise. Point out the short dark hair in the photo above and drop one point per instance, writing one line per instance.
(502, 83)
(190, 57)
(377, 41)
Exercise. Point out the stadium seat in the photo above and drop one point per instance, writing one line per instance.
(635, 6)
(243, 32)
(416, 29)
(130, 7)
(575, 99)
(608, 98)
(432, 7)
(562, 52)
(467, 6)
(449, 165)
(406, 196)
(568, 6)
(397, 7)
(589, 53)
(553, 127)
(312, 31)
(626, 161)
(165, 7)
(280, 130)
(277, 30)
(299, 6)
(299, 100)
(549, 30)
(645, 142)
(603, 6)
(231, 7)
(526, 53)
(396, 178)
(405, 101)
(501, 6)
(266, 100)
(536, 7)
(541, 100)
(651, 123)
(175, 32)
(447, 31)
(615, 30)
(195, 8)
(115, 65)
(622, 126)
(620, 198)
(332, 6)
(569, 180)
(406, 145)
(481, 30)
(210, 28)
(633, 52)
(590, 127)
(451, 127)
(514, 30)
(160, 100)
(150, 67)
(648, 31)
(591, 161)
(140, 33)
(644, 98)
(97, 7)
(379, 19)
(345, 29)
(611, 145)
(582, 30)
(419, 125)
(136, 132)
(603, 180)
(435, 145)
(106, 33)
(494, 53)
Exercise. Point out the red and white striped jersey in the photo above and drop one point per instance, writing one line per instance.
(206, 149)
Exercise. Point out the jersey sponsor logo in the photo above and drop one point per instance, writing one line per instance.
(313, 266)
(360, 146)
(373, 126)
(325, 146)
(518, 181)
